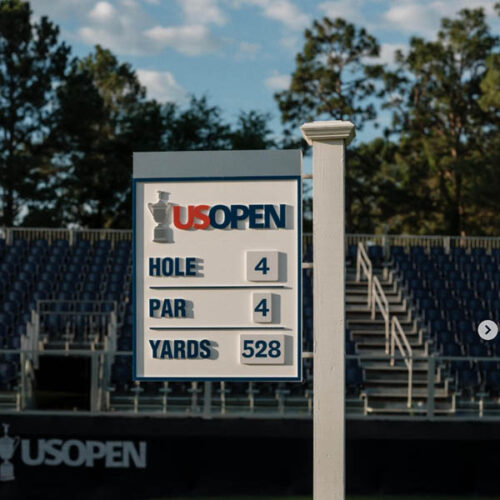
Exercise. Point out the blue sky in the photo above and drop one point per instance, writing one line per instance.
(237, 52)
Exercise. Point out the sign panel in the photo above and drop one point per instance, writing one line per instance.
(217, 260)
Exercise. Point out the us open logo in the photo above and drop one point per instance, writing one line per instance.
(70, 452)
(195, 217)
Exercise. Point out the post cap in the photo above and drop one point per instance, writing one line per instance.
(328, 131)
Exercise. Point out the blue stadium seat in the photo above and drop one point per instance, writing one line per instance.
(52, 269)
(476, 252)
(352, 253)
(10, 307)
(114, 288)
(376, 254)
(68, 286)
(432, 314)
(354, 378)
(448, 303)
(123, 244)
(124, 344)
(102, 244)
(74, 269)
(457, 251)
(90, 286)
(469, 382)
(492, 382)
(478, 350)
(60, 243)
(20, 244)
(470, 338)
(116, 278)
(350, 347)
(93, 277)
(417, 250)
(58, 252)
(437, 251)
(85, 244)
(456, 314)
(444, 337)
(8, 375)
(454, 350)
(482, 286)
(6, 319)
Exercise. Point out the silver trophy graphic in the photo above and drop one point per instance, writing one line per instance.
(8, 446)
(161, 214)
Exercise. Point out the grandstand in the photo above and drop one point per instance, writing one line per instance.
(412, 309)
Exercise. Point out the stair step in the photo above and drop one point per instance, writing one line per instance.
(397, 378)
(362, 299)
(374, 332)
(399, 366)
(379, 341)
(380, 350)
(382, 407)
(402, 392)
(377, 326)
(363, 291)
(394, 309)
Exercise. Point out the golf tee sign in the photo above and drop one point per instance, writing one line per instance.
(217, 253)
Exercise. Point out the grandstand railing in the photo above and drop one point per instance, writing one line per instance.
(399, 340)
(60, 321)
(364, 265)
(72, 235)
(213, 400)
(379, 299)
(385, 240)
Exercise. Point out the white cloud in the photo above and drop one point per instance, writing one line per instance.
(424, 17)
(162, 86)
(189, 40)
(277, 81)
(413, 18)
(202, 12)
(126, 28)
(351, 10)
(56, 9)
(283, 11)
(117, 28)
(153, 2)
(102, 11)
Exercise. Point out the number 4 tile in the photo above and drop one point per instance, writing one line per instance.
(262, 265)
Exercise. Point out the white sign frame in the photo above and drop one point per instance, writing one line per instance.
(220, 166)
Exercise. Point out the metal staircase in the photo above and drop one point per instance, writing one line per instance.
(387, 388)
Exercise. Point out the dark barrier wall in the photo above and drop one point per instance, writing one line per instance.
(140, 458)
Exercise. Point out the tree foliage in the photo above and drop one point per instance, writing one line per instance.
(32, 64)
(444, 121)
(69, 126)
(332, 79)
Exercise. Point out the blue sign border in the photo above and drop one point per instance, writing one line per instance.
(298, 179)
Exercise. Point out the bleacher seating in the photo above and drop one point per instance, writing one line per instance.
(453, 292)
(74, 284)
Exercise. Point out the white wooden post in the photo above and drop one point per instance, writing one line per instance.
(328, 140)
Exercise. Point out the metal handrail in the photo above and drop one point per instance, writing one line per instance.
(379, 299)
(398, 334)
(363, 263)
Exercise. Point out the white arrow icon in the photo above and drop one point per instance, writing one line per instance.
(487, 329)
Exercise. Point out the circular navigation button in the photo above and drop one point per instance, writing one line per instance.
(487, 329)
